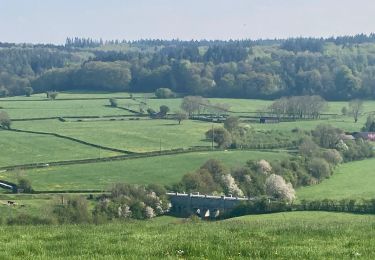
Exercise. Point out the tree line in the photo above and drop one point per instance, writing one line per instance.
(334, 68)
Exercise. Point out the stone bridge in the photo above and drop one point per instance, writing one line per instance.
(205, 206)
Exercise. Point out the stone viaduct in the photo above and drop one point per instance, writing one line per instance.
(205, 206)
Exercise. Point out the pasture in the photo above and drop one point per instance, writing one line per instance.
(166, 169)
(23, 148)
(354, 180)
(297, 235)
(132, 135)
(143, 135)
(59, 108)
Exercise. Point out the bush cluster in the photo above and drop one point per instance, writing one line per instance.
(261, 205)
(255, 179)
(131, 201)
(344, 205)
(265, 205)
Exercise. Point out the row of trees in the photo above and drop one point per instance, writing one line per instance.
(196, 105)
(298, 107)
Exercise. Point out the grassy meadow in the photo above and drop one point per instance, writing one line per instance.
(350, 180)
(30, 204)
(59, 108)
(166, 169)
(132, 135)
(23, 148)
(297, 235)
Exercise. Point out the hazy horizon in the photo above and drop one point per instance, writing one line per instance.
(42, 21)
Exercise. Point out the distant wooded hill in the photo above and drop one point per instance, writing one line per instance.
(334, 68)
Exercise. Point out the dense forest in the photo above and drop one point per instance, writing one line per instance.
(337, 68)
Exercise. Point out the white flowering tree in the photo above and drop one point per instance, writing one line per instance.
(277, 187)
(231, 186)
(264, 167)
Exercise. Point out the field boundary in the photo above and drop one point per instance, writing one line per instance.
(128, 157)
(61, 118)
(61, 99)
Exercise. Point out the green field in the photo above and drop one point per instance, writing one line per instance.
(297, 235)
(350, 180)
(253, 105)
(48, 108)
(344, 123)
(137, 136)
(36, 204)
(162, 169)
(22, 148)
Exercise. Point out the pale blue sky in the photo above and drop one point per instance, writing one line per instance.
(53, 20)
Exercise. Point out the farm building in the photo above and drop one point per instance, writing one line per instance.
(269, 120)
(370, 136)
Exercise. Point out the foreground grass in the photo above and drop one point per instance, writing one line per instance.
(350, 180)
(297, 235)
(162, 169)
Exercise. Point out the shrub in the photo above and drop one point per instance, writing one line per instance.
(28, 91)
(264, 166)
(200, 181)
(138, 210)
(151, 112)
(259, 206)
(344, 111)
(113, 102)
(25, 185)
(332, 156)
(164, 93)
(52, 95)
(308, 148)
(230, 186)
(357, 150)
(220, 136)
(231, 123)
(163, 110)
(132, 201)
(157, 188)
(5, 121)
(149, 212)
(319, 168)
(327, 136)
(74, 211)
(3, 91)
(370, 124)
(26, 219)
